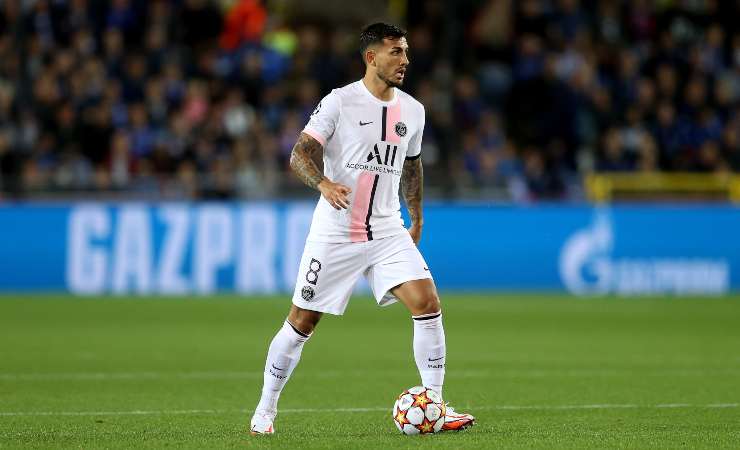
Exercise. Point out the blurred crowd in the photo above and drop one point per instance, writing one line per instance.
(186, 99)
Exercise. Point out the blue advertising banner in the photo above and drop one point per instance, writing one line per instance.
(202, 248)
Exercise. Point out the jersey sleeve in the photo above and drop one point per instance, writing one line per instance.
(414, 148)
(324, 118)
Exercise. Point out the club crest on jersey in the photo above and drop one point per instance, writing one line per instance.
(401, 129)
(307, 293)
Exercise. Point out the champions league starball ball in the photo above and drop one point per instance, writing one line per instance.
(419, 410)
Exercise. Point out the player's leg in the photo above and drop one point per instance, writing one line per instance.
(303, 320)
(421, 299)
(282, 357)
(400, 273)
(430, 350)
(325, 279)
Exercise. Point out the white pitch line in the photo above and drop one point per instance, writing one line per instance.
(356, 410)
(116, 413)
(535, 373)
(84, 376)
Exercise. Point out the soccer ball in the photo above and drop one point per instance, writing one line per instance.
(419, 410)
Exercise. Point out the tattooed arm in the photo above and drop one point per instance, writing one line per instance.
(412, 180)
(301, 161)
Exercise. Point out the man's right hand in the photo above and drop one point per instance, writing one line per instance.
(335, 193)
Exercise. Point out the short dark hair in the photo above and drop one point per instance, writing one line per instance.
(375, 33)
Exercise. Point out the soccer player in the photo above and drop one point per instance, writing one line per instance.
(370, 133)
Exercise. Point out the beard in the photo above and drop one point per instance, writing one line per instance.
(389, 82)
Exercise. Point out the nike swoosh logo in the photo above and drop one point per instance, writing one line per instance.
(427, 269)
(362, 124)
(276, 368)
(436, 359)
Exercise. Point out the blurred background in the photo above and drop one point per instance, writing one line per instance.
(197, 99)
(559, 105)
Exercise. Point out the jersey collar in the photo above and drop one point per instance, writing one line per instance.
(367, 92)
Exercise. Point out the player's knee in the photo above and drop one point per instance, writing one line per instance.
(303, 320)
(429, 303)
(303, 326)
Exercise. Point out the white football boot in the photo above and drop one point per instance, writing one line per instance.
(262, 424)
(455, 421)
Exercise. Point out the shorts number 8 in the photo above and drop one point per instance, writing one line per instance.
(313, 271)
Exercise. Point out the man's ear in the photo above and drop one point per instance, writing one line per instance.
(370, 57)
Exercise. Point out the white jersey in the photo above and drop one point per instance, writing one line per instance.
(366, 142)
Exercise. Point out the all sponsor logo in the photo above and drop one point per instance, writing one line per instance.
(375, 155)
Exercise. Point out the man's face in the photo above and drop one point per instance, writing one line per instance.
(391, 60)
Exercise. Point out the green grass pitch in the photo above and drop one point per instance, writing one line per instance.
(538, 371)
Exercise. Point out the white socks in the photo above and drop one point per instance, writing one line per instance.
(286, 346)
(282, 357)
(430, 350)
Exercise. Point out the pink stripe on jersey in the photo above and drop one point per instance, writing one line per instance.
(363, 191)
(315, 134)
(393, 117)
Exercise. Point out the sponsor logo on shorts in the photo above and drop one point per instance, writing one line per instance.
(307, 293)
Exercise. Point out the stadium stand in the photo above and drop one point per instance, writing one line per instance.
(201, 99)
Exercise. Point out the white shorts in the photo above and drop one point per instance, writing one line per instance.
(328, 272)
